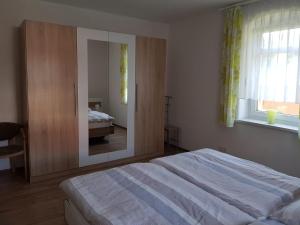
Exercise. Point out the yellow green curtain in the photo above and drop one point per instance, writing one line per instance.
(124, 73)
(230, 70)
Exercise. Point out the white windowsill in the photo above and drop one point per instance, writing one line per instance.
(261, 123)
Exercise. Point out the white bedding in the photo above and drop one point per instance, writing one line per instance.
(95, 116)
(203, 187)
(148, 194)
(255, 189)
(99, 119)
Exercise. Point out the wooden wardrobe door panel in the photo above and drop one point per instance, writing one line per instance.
(150, 80)
(51, 61)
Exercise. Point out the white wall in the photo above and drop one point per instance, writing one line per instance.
(98, 72)
(12, 14)
(194, 63)
(116, 108)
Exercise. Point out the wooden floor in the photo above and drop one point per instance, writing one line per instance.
(21, 203)
(35, 204)
(113, 142)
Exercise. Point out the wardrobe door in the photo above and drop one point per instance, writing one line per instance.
(51, 77)
(150, 83)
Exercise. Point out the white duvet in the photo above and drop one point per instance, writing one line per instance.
(203, 187)
(148, 194)
(253, 188)
(95, 116)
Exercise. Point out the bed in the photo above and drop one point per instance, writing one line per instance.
(100, 124)
(201, 187)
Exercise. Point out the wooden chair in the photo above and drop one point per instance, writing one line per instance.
(9, 132)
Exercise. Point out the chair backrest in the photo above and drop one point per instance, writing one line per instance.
(9, 130)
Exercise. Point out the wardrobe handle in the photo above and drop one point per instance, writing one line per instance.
(75, 100)
(136, 97)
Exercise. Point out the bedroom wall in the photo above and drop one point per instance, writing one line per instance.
(116, 108)
(12, 14)
(194, 63)
(98, 72)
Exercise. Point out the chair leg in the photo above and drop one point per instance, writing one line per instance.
(25, 166)
(12, 164)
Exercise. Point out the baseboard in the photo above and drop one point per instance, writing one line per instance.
(178, 147)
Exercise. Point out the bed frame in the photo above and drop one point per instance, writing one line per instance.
(72, 215)
(101, 132)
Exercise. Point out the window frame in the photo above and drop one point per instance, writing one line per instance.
(250, 111)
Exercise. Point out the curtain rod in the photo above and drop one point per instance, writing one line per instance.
(239, 4)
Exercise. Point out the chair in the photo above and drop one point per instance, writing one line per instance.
(9, 132)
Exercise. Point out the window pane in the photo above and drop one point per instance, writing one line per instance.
(281, 40)
(278, 70)
(265, 40)
(278, 39)
(294, 38)
(284, 108)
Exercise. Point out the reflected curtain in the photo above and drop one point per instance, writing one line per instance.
(124, 73)
(230, 70)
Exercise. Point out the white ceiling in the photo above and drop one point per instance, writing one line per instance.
(155, 10)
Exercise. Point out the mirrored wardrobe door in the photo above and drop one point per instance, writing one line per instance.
(106, 102)
(100, 123)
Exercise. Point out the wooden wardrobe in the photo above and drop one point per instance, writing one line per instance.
(51, 113)
(50, 68)
(150, 91)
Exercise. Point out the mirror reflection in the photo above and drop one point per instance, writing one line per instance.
(107, 101)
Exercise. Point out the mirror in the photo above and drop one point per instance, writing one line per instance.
(107, 96)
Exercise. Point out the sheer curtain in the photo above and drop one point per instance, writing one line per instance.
(270, 55)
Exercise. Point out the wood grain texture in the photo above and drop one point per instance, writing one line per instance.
(51, 78)
(150, 80)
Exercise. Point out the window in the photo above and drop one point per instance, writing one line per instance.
(270, 66)
(289, 109)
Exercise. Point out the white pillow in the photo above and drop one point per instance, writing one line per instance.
(289, 214)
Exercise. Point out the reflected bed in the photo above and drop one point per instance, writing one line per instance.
(100, 124)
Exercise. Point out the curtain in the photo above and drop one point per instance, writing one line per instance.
(230, 70)
(124, 73)
(270, 58)
(270, 55)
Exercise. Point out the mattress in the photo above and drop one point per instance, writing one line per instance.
(144, 194)
(72, 214)
(253, 188)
